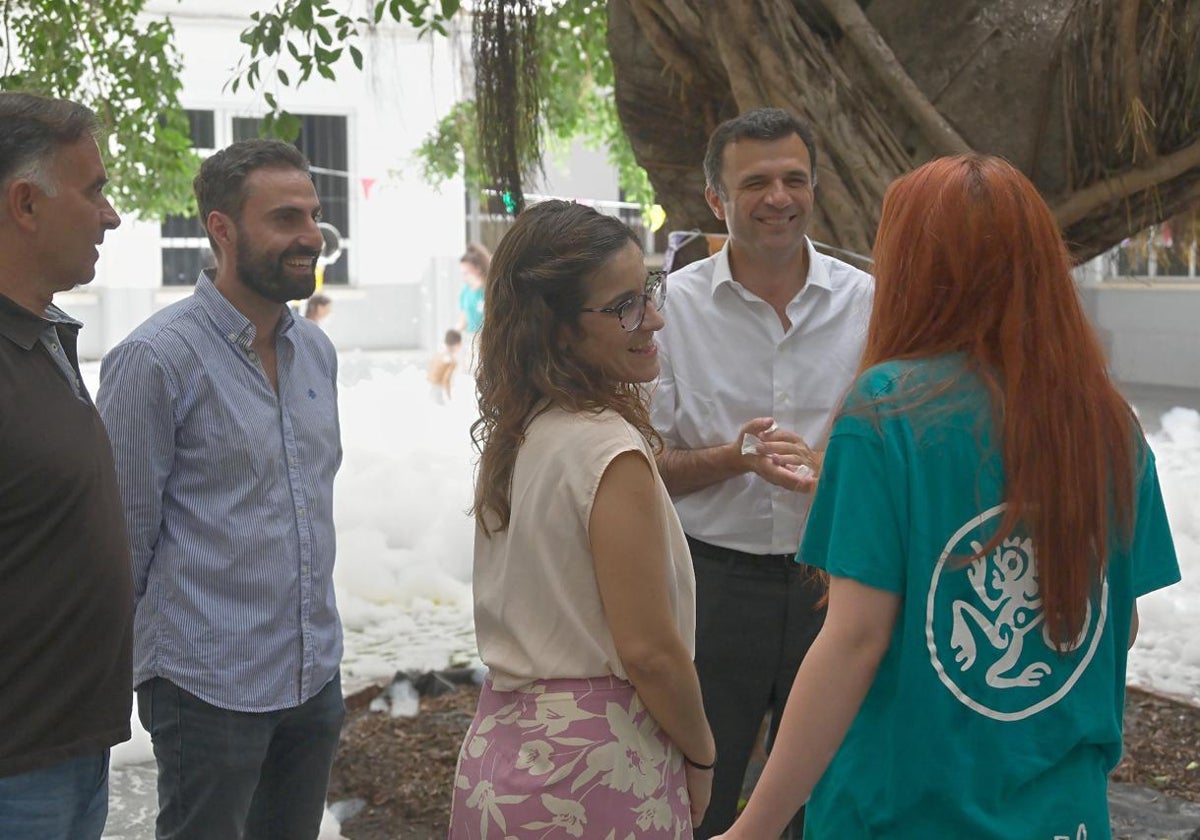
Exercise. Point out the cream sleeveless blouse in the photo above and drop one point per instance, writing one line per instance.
(538, 613)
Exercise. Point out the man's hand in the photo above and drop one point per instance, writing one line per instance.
(781, 457)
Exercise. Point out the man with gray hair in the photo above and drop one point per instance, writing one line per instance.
(223, 415)
(65, 594)
(762, 340)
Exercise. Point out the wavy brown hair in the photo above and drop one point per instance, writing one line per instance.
(535, 288)
(969, 259)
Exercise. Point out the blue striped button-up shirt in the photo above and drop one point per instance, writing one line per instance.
(228, 492)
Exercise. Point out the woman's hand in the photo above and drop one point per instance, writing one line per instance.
(699, 787)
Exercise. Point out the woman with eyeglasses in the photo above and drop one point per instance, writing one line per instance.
(988, 514)
(590, 723)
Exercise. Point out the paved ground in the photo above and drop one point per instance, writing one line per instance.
(1137, 813)
(132, 803)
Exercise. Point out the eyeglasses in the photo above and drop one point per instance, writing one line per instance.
(632, 311)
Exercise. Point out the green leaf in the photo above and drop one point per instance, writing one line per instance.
(326, 71)
(287, 126)
(270, 97)
(329, 57)
(380, 7)
(450, 8)
(302, 15)
(283, 77)
(356, 56)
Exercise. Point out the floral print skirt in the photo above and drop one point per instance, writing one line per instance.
(568, 758)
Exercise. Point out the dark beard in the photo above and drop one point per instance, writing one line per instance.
(266, 276)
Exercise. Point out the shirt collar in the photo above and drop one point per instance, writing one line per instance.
(818, 270)
(24, 328)
(228, 319)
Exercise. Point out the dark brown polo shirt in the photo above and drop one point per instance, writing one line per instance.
(66, 593)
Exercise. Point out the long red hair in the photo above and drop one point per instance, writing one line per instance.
(969, 259)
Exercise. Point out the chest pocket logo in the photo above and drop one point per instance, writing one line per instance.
(985, 627)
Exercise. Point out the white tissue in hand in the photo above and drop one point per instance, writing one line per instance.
(750, 444)
(802, 470)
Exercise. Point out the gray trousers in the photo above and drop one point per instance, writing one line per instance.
(756, 618)
(225, 775)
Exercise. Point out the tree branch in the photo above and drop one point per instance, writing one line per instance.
(1137, 118)
(9, 52)
(880, 58)
(1081, 203)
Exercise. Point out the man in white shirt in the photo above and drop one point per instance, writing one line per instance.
(762, 340)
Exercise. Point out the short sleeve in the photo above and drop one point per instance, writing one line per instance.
(1155, 564)
(853, 528)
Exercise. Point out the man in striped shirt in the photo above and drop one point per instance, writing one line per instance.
(222, 410)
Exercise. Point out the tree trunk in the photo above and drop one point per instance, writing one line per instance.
(1106, 130)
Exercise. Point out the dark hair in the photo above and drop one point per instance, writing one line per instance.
(314, 303)
(452, 337)
(478, 257)
(760, 124)
(33, 128)
(969, 259)
(535, 289)
(220, 184)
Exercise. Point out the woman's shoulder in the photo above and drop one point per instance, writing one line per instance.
(601, 424)
(895, 379)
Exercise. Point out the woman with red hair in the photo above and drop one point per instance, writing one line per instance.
(988, 512)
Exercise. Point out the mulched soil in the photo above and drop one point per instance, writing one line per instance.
(1162, 745)
(404, 767)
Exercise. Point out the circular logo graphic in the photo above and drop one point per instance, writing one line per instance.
(985, 627)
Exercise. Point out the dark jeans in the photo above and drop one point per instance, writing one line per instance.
(756, 617)
(226, 775)
(66, 801)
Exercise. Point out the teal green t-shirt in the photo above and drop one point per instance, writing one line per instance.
(470, 301)
(975, 727)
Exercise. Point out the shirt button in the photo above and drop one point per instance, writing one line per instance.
(253, 356)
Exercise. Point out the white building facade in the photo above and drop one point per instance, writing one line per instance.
(395, 284)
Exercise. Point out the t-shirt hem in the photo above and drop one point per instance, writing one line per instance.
(48, 758)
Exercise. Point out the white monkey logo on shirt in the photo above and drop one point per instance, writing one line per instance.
(1006, 583)
(987, 625)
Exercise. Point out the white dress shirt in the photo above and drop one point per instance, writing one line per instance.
(726, 359)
